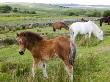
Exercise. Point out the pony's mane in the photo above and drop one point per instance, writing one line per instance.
(96, 28)
(64, 24)
(31, 36)
(94, 25)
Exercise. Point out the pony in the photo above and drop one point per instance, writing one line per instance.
(44, 49)
(105, 20)
(59, 25)
(85, 28)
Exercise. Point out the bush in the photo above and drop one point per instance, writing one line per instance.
(32, 12)
(9, 41)
(71, 13)
(106, 13)
(15, 10)
(7, 66)
(94, 13)
(5, 9)
(18, 68)
(18, 28)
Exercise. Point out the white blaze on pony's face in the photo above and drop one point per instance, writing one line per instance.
(22, 44)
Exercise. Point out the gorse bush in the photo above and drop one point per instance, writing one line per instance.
(9, 41)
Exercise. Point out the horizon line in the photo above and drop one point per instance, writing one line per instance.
(57, 3)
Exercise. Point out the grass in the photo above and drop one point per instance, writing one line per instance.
(91, 65)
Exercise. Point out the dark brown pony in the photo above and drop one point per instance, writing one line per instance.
(105, 20)
(43, 49)
(59, 25)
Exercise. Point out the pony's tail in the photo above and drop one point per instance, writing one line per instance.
(72, 38)
(72, 53)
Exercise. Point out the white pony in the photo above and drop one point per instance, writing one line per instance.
(86, 28)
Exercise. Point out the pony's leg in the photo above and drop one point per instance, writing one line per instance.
(89, 35)
(45, 70)
(35, 64)
(44, 67)
(108, 21)
(33, 68)
(54, 29)
(69, 70)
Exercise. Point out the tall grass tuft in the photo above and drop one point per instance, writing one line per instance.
(87, 42)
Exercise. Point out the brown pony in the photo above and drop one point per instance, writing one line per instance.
(59, 25)
(43, 49)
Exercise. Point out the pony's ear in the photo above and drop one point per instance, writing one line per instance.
(17, 34)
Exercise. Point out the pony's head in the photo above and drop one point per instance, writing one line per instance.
(65, 26)
(27, 40)
(99, 35)
(22, 42)
(97, 31)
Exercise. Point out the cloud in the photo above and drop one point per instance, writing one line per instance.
(87, 2)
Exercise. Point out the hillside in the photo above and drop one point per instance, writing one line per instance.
(33, 6)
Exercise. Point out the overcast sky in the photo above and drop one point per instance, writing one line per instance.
(87, 2)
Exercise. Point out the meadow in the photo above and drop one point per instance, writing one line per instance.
(92, 63)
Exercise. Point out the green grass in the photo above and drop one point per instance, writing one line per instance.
(91, 65)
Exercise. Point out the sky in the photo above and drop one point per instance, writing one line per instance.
(85, 2)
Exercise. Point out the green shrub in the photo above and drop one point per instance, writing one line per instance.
(106, 13)
(8, 66)
(5, 9)
(18, 28)
(93, 13)
(9, 41)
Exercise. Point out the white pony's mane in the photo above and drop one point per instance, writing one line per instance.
(96, 28)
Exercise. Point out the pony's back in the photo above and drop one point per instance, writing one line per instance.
(81, 27)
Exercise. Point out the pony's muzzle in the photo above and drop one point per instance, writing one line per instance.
(21, 52)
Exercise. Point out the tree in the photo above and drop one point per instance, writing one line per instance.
(15, 10)
(5, 9)
(106, 13)
(32, 12)
(94, 13)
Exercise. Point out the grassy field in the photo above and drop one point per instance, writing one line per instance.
(91, 64)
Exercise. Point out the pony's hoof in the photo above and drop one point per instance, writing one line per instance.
(45, 76)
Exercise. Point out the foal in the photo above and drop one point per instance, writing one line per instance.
(43, 49)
